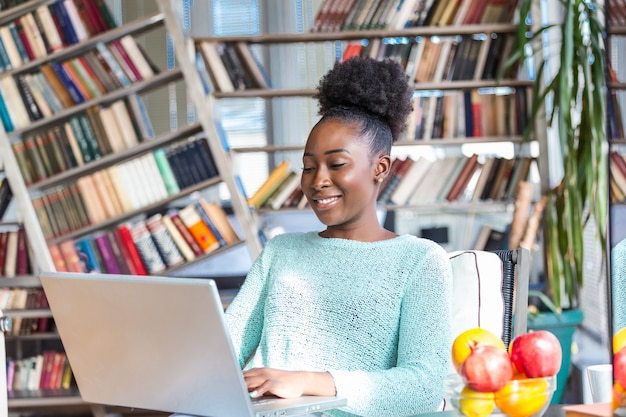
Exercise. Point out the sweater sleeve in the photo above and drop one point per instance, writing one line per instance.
(415, 384)
(244, 316)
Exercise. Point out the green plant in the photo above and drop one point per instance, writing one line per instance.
(574, 99)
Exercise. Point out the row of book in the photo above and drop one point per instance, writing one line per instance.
(14, 253)
(424, 181)
(617, 177)
(123, 188)
(56, 86)
(441, 58)
(51, 27)
(229, 66)
(85, 137)
(12, 298)
(335, 15)
(149, 246)
(281, 189)
(468, 113)
(5, 196)
(49, 370)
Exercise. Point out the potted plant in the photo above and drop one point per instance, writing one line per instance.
(571, 100)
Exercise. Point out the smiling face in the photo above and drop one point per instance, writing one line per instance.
(339, 179)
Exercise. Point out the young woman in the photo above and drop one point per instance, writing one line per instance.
(353, 310)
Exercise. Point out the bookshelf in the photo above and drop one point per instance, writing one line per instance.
(437, 85)
(88, 168)
(615, 41)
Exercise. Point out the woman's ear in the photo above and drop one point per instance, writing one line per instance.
(383, 167)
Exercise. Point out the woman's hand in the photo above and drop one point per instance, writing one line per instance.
(288, 384)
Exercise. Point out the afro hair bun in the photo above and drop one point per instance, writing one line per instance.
(379, 88)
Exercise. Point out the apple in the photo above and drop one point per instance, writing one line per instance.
(471, 339)
(487, 369)
(619, 366)
(536, 354)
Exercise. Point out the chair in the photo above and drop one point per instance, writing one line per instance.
(490, 290)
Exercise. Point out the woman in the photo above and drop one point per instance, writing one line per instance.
(354, 310)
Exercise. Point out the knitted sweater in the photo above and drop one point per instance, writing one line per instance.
(375, 315)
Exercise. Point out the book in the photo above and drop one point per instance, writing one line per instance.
(70, 256)
(220, 219)
(109, 261)
(182, 245)
(273, 181)
(252, 65)
(410, 181)
(137, 56)
(198, 229)
(163, 241)
(185, 233)
(399, 169)
(10, 254)
(217, 69)
(124, 123)
(463, 178)
(278, 198)
(5, 196)
(22, 261)
(128, 247)
(87, 255)
(209, 222)
(147, 248)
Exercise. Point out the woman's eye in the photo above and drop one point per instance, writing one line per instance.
(307, 169)
(337, 165)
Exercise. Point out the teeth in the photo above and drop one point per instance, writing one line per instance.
(327, 200)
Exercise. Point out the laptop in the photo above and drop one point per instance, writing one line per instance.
(157, 343)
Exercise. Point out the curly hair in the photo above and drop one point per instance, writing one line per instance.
(374, 94)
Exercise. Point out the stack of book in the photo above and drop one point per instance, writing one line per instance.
(458, 114)
(124, 188)
(229, 66)
(14, 253)
(336, 15)
(149, 246)
(423, 181)
(85, 137)
(51, 27)
(49, 370)
(26, 299)
(281, 189)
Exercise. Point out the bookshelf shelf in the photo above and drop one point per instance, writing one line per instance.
(7, 16)
(21, 281)
(426, 86)
(139, 87)
(449, 30)
(111, 159)
(110, 68)
(33, 336)
(149, 208)
(133, 28)
(404, 143)
(27, 313)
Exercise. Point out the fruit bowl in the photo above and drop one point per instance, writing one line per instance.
(529, 397)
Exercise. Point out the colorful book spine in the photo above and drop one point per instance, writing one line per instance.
(147, 248)
(163, 241)
(198, 229)
(126, 239)
(106, 254)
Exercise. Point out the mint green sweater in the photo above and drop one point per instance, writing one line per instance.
(375, 315)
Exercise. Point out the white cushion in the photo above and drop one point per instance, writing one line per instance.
(476, 291)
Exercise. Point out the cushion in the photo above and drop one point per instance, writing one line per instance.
(476, 291)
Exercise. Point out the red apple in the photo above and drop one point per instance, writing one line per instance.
(619, 366)
(536, 354)
(487, 369)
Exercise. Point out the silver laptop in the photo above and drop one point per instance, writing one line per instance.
(157, 343)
